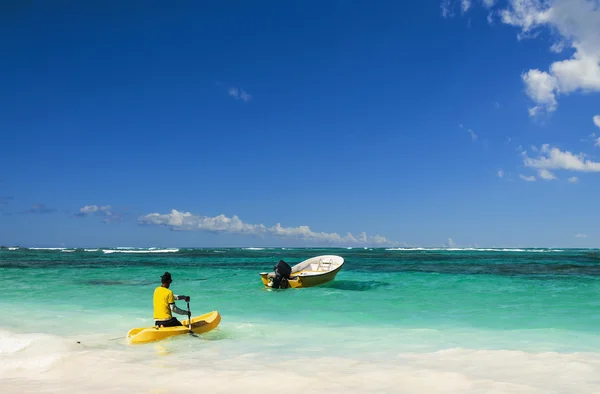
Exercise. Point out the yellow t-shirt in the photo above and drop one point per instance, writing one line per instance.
(162, 298)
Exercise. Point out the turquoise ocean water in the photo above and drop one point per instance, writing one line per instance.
(393, 320)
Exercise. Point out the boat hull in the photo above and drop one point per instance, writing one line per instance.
(200, 325)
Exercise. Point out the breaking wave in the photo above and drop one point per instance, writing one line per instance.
(479, 250)
(151, 250)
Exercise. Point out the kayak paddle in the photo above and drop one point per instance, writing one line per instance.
(190, 320)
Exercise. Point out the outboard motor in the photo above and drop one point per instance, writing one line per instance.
(282, 274)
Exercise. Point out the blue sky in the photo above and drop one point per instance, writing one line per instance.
(315, 123)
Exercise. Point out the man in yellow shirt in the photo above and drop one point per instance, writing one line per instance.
(164, 304)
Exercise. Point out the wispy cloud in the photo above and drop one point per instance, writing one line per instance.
(501, 173)
(471, 133)
(40, 208)
(239, 94)
(104, 211)
(573, 179)
(527, 178)
(180, 221)
(465, 5)
(557, 47)
(446, 7)
(580, 235)
(555, 159)
(593, 138)
(5, 200)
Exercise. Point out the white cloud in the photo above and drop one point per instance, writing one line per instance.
(180, 221)
(501, 173)
(239, 94)
(450, 243)
(576, 24)
(596, 120)
(465, 5)
(555, 159)
(527, 178)
(573, 179)
(526, 14)
(573, 24)
(88, 209)
(546, 175)
(540, 87)
(104, 211)
(581, 235)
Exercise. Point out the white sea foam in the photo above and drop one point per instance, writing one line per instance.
(13, 248)
(46, 248)
(25, 355)
(480, 250)
(402, 249)
(11, 343)
(44, 363)
(253, 248)
(108, 251)
(68, 250)
(90, 250)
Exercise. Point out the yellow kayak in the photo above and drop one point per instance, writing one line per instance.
(200, 325)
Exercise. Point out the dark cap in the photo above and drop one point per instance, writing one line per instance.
(166, 278)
